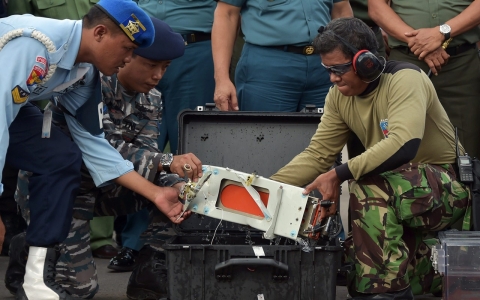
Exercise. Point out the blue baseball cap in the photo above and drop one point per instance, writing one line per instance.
(133, 21)
(167, 44)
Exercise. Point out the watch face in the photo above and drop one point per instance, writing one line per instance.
(166, 159)
(444, 28)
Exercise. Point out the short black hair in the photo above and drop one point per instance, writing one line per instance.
(97, 16)
(352, 30)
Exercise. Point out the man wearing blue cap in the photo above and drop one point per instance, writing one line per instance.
(43, 58)
(134, 110)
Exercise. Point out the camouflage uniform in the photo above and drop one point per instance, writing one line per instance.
(130, 123)
(402, 207)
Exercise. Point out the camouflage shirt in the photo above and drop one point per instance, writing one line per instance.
(130, 122)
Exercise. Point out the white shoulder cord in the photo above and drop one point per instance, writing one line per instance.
(42, 38)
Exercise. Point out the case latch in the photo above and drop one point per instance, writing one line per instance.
(207, 107)
(311, 108)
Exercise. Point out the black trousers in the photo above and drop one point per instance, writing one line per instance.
(55, 163)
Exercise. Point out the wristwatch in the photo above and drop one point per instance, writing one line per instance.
(166, 160)
(445, 30)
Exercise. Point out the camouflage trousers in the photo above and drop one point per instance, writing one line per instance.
(394, 218)
(76, 269)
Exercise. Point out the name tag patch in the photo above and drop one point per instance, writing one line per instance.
(19, 95)
(42, 60)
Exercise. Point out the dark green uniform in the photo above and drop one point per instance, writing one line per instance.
(55, 9)
(131, 126)
(360, 11)
(393, 204)
(457, 84)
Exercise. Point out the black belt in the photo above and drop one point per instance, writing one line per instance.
(452, 51)
(195, 37)
(305, 50)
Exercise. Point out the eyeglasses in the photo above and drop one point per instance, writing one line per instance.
(338, 70)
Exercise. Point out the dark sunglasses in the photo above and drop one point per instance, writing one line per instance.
(338, 70)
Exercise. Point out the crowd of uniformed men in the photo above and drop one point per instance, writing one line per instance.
(403, 78)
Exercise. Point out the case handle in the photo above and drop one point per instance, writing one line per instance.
(250, 262)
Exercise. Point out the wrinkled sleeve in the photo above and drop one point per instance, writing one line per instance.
(102, 160)
(329, 139)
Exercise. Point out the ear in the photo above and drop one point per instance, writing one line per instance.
(99, 31)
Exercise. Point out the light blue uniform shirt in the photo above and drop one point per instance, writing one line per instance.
(24, 61)
(283, 22)
(184, 16)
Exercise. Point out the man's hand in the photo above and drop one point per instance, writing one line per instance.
(436, 59)
(328, 185)
(424, 41)
(188, 163)
(166, 200)
(225, 95)
(179, 186)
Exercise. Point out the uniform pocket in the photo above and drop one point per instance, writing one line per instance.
(44, 4)
(413, 194)
(267, 4)
(189, 1)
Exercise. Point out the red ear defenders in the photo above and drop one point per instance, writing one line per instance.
(366, 64)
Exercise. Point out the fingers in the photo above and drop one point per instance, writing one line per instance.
(222, 103)
(187, 165)
(411, 33)
(436, 60)
(308, 189)
(223, 98)
(421, 54)
(233, 104)
(225, 95)
(326, 212)
(193, 167)
(177, 219)
(197, 170)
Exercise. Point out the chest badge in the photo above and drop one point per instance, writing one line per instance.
(384, 127)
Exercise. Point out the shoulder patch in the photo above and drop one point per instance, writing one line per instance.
(384, 127)
(19, 95)
(36, 76)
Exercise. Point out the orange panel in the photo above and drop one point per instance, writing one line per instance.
(237, 198)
